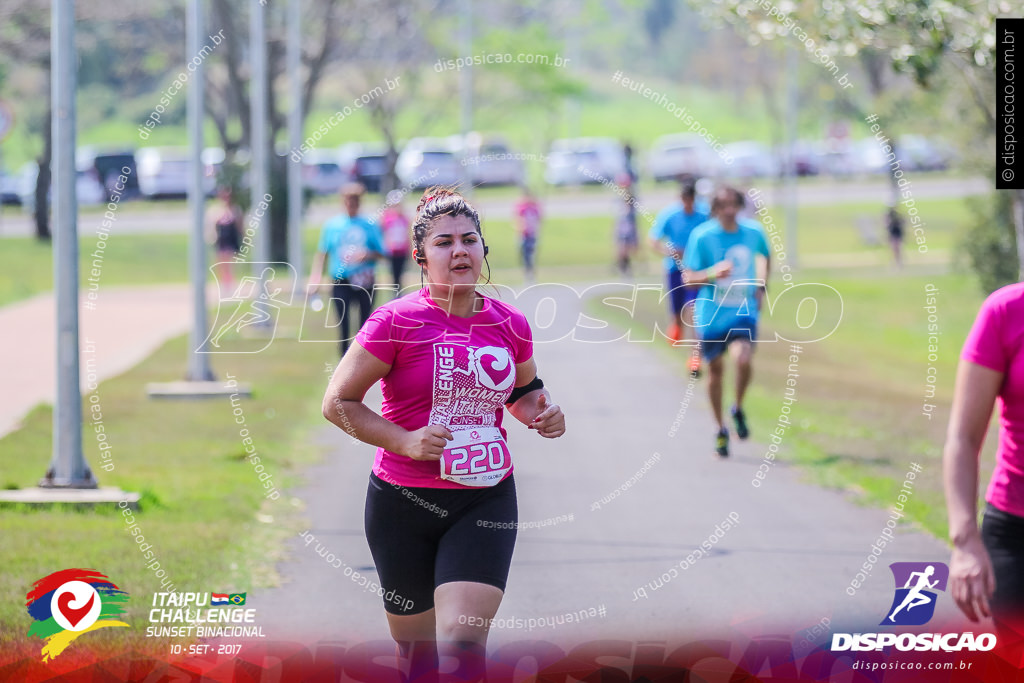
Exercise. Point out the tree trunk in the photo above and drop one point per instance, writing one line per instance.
(42, 211)
(278, 215)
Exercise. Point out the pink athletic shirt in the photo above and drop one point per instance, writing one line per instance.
(445, 370)
(997, 342)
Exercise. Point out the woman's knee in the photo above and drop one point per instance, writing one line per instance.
(463, 628)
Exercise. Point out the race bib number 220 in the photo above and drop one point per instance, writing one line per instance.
(476, 457)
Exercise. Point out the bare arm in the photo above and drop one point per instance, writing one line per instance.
(535, 409)
(210, 221)
(971, 573)
(763, 270)
(663, 247)
(708, 275)
(317, 271)
(343, 406)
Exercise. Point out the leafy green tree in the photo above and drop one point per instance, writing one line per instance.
(925, 40)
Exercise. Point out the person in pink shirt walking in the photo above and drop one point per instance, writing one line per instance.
(441, 511)
(394, 224)
(527, 215)
(987, 566)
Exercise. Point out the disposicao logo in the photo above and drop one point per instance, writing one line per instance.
(916, 583)
(69, 603)
(917, 586)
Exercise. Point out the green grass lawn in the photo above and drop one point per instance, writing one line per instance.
(147, 259)
(582, 245)
(203, 508)
(858, 419)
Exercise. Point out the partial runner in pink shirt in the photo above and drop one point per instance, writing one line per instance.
(441, 511)
(395, 227)
(528, 214)
(987, 567)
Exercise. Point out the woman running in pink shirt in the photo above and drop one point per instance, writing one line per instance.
(441, 511)
(987, 567)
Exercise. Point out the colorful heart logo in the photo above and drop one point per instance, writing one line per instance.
(75, 605)
(496, 370)
(72, 614)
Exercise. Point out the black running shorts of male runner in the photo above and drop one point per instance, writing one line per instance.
(422, 537)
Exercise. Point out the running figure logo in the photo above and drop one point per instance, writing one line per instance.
(916, 586)
(255, 304)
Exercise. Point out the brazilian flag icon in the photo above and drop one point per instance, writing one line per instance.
(236, 598)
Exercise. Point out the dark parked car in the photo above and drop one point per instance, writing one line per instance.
(365, 163)
(108, 166)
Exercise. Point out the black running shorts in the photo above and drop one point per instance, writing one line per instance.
(1003, 535)
(423, 537)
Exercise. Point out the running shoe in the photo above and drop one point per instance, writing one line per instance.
(722, 443)
(695, 366)
(740, 420)
(673, 334)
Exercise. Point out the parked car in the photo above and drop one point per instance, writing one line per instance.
(806, 158)
(686, 154)
(108, 165)
(489, 161)
(213, 162)
(321, 172)
(841, 158)
(163, 171)
(919, 153)
(9, 185)
(428, 161)
(750, 159)
(578, 161)
(869, 157)
(365, 163)
(88, 189)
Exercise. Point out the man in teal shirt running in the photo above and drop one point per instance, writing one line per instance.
(730, 258)
(351, 245)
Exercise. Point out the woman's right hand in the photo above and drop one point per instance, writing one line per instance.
(427, 443)
(972, 580)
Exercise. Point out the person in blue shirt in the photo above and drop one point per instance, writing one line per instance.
(730, 258)
(350, 244)
(669, 235)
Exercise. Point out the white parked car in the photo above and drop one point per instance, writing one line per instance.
(749, 160)
(578, 161)
(321, 172)
(88, 189)
(489, 161)
(428, 161)
(686, 154)
(842, 158)
(868, 156)
(922, 154)
(163, 171)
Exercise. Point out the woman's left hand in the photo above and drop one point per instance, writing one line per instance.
(550, 423)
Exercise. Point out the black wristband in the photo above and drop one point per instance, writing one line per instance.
(519, 392)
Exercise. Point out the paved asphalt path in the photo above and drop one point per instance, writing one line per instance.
(568, 203)
(119, 329)
(782, 569)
